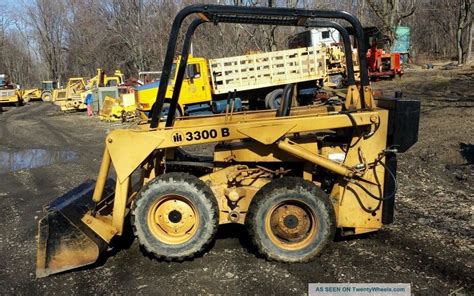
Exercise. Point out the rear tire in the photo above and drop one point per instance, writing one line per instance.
(165, 111)
(175, 216)
(46, 96)
(291, 220)
(273, 99)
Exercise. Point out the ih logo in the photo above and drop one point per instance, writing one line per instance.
(177, 137)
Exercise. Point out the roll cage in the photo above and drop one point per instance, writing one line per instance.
(259, 16)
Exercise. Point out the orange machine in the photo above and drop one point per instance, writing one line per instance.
(383, 64)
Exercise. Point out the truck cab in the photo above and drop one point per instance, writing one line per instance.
(49, 85)
(196, 88)
(9, 92)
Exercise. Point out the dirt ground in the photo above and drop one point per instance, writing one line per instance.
(430, 245)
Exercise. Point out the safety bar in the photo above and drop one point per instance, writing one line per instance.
(246, 15)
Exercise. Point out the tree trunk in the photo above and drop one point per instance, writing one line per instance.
(459, 45)
(469, 43)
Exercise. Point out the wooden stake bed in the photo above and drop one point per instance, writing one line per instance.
(267, 69)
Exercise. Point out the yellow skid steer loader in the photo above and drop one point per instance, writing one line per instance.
(292, 177)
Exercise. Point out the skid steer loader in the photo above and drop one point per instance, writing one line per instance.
(292, 176)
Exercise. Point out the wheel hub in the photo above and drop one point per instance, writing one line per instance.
(291, 223)
(175, 216)
(173, 219)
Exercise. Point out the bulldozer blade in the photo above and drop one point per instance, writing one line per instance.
(64, 241)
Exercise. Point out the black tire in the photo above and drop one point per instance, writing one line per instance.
(166, 108)
(46, 96)
(267, 97)
(273, 99)
(338, 80)
(157, 192)
(286, 194)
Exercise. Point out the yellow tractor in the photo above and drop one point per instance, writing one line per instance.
(72, 97)
(69, 98)
(45, 93)
(292, 176)
(10, 93)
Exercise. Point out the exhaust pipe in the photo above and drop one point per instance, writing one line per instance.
(64, 241)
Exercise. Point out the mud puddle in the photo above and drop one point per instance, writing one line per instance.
(12, 161)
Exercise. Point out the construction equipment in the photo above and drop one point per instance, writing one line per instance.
(72, 97)
(45, 93)
(145, 77)
(251, 78)
(119, 109)
(292, 176)
(69, 98)
(382, 63)
(330, 39)
(9, 93)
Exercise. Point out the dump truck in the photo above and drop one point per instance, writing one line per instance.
(71, 98)
(253, 78)
(9, 93)
(45, 93)
(292, 176)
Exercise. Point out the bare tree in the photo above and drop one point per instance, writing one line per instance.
(463, 30)
(15, 56)
(392, 12)
(47, 20)
(51, 39)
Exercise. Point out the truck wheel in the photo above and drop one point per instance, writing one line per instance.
(273, 99)
(175, 216)
(291, 220)
(46, 96)
(166, 108)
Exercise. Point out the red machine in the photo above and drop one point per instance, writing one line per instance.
(382, 64)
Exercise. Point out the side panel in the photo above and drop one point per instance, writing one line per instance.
(267, 69)
(350, 198)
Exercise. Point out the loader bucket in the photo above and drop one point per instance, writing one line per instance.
(64, 241)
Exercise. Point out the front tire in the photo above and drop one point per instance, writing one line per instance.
(291, 220)
(46, 96)
(175, 216)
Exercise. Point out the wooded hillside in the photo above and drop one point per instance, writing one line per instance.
(56, 39)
